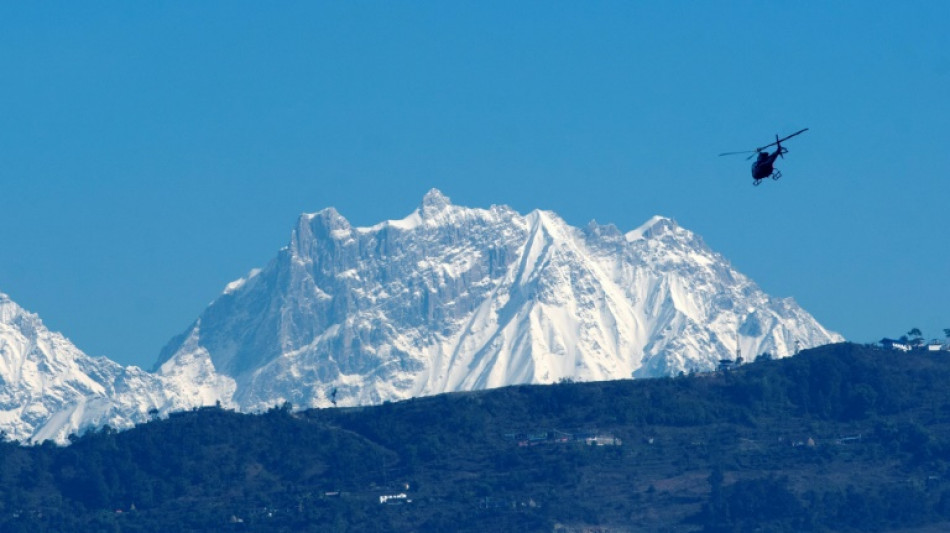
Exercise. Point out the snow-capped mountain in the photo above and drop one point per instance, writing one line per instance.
(50, 389)
(453, 298)
(449, 298)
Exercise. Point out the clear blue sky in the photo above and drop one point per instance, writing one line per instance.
(151, 152)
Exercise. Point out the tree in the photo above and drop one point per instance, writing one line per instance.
(916, 337)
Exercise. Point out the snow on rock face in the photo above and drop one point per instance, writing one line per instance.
(453, 298)
(448, 298)
(50, 389)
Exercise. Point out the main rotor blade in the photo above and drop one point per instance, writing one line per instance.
(734, 153)
(783, 139)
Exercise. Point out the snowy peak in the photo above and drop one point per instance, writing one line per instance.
(7, 308)
(435, 197)
(15, 318)
(659, 227)
(433, 203)
(448, 298)
(327, 224)
(50, 389)
(606, 232)
(41, 371)
(454, 298)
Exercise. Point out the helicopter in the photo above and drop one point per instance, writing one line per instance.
(763, 166)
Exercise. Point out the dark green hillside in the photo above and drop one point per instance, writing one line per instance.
(841, 438)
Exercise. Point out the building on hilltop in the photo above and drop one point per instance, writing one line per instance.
(895, 344)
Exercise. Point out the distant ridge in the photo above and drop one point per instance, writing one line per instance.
(456, 298)
(50, 389)
(448, 298)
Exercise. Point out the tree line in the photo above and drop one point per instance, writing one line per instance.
(840, 438)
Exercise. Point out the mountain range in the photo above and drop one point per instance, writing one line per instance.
(448, 298)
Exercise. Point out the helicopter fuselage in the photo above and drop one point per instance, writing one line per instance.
(763, 167)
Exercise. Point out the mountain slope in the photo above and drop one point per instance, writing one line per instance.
(449, 298)
(454, 298)
(50, 389)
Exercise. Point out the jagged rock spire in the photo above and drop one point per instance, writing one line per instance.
(434, 202)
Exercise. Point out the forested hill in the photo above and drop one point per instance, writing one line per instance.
(839, 438)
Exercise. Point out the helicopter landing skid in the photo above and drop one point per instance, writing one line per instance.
(777, 174)
(756, 182)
